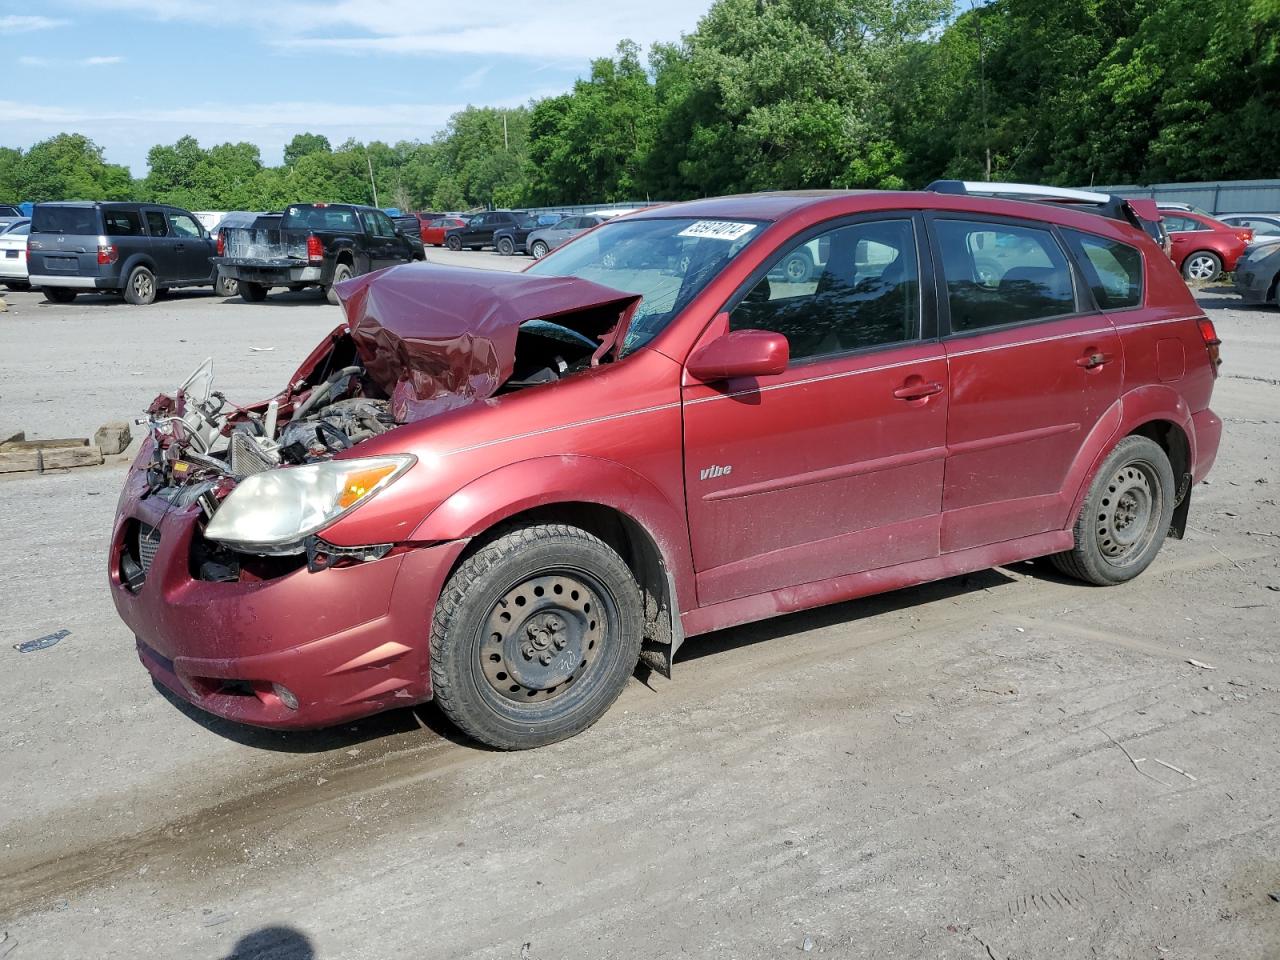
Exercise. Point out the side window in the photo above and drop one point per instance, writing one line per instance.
(1114, 269)
(999, 275)
(382, 225)
(181, 225)
(156, 224)
(122, 223)
(853, 287)
(1177, 224)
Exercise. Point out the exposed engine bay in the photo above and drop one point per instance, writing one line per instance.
(401, 359)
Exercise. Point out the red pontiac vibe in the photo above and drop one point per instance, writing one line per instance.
(499, 491)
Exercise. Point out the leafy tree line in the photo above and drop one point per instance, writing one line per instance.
(778, 94)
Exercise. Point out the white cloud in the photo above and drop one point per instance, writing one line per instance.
(85, 62)
(99, 61)
(33, 61)
(18, 23)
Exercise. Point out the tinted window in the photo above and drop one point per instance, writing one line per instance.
(1113, 269)
(319, 218)
(181, 225)
(1176, 224)
(856, 286)
(122, 223)
(80, 221)
(997, 274)
(157, 225)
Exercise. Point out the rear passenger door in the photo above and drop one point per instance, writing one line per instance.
(161, 245)
(1033, 366)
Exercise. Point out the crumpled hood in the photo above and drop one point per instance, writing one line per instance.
(436, 338)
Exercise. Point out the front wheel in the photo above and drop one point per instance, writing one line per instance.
(453, 243)
(505, 246)
(534, 636)
(1125, 517)
(539, 249)
(1202, 266)
(140, 289)
(226, 286)
(341, 272)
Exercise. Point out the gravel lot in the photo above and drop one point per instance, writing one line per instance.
(979, 768)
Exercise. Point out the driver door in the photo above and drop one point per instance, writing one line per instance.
(835, 466)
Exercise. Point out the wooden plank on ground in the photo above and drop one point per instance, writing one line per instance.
(22, 461)
(56, 444)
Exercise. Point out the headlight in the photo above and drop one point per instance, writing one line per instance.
(273, 511)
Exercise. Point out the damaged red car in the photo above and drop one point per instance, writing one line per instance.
(501, 491)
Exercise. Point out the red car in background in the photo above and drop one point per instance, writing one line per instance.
(500, 491)
(434, 231)
(1203, 248)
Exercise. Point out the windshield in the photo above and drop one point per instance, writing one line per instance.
(666, 261)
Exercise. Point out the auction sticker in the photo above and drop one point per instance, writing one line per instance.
(717, 230)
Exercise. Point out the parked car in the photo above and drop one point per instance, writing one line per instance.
(499, 490)
(433, 234)
(139, 250)
(1265, 226)
(313, 245)
(478, 230)
(13, 256)
(1257, 275)
(514, 237)
(1204, 248)
(226, 286)
(10, 215)
(544, 240)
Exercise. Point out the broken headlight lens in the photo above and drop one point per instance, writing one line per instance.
(274, 511)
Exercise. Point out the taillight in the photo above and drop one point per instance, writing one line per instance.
(107, 253)
(1211, 342)
(222, 244)
(1245, 235)
(315, 249)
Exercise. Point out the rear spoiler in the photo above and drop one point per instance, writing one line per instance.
(1131, 211)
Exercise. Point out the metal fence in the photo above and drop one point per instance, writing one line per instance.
(579, 209)
(1218, 197)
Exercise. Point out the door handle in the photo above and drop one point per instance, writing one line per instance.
(918, 390)
(1093, 360)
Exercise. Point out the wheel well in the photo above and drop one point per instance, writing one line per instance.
(636, 547)
(1172, 441)
(1274, 292)
(345, 257)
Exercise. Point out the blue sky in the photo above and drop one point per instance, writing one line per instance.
(133, 73)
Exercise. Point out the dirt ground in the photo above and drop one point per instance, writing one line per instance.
(1005, 765)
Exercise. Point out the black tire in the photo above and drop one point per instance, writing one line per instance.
(506, 246)
(226, 286)
(17, 285)
(476, 246)
(798, 267)
(59, 294)
(341, 272)
(560, 662)
(1202, 266)
(453, 243)
(539, 249)
(1125, 516)
(140, 288)
(296, 287)
(251, 292)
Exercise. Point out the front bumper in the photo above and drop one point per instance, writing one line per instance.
(1251, 288)
(346, 641)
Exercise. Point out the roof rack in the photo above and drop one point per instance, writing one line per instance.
(1132, 211)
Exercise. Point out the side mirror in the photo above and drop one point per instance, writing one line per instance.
(741, 353)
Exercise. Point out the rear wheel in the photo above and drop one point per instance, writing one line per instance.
(798, 267)
(505, 246)
(341, 272)
(140, 289)
(453, 243)
(1125, 517)
(1202, 265)
(226, 286)
(58, 294)
(539, 249)
(251, 292)
(534, 636)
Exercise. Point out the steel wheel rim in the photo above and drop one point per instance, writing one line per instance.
(1201, 268)
(142, 285)
(796, 269)
(544, 636)
(1129, 513)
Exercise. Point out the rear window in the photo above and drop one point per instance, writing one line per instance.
(79, 221)
(307, 217)
(122, 223)
(8, 211)
(1113, 269)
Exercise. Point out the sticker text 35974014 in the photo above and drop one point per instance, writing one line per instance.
(718, 230)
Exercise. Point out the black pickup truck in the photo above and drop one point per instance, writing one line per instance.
(312, 245)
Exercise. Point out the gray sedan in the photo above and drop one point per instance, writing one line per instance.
(1258, 273)
(541, 242)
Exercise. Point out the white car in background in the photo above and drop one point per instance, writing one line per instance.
(13, 256)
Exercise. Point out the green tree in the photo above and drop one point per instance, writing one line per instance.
(70, 166)
(305, 144)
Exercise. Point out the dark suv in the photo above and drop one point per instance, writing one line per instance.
(479, 228)
(137, 249)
